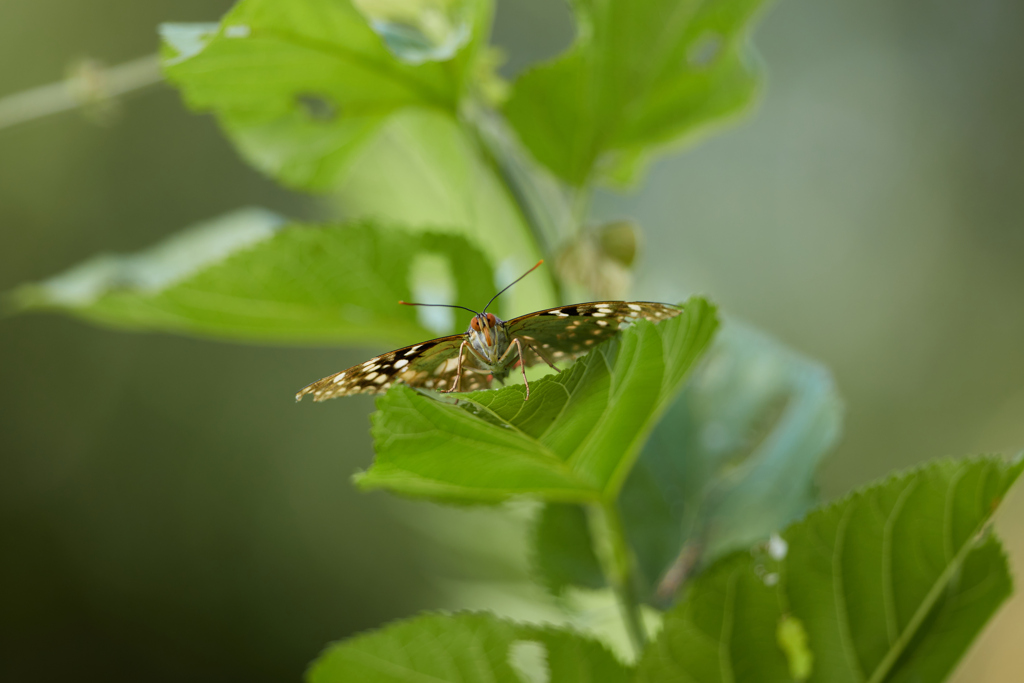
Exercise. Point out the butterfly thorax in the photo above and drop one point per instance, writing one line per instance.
(489, 338)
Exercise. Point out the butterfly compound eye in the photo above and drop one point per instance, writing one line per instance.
(475, 323)
(491, 322)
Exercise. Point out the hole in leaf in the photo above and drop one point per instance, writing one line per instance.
(237, 31)
(317, 107)
(432, 282)
(705, 50)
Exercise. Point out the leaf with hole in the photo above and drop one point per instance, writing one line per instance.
(425, 171)
(640, 76)
(249, 276)
(300, 86)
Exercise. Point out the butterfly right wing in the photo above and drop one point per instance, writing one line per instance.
(430, 365)
(567, 332)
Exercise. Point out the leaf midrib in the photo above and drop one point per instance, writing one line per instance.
(938, 587)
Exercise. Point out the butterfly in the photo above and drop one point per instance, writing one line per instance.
(491, 348)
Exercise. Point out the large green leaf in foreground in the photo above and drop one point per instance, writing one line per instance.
(249, 277)
(575, 439)
(733, 460)
(889, 584)
(640, 75)
(466, 648)
(301, 85)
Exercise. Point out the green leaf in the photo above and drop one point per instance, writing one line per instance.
(732, 461)
(466, 648)
(425, 170)
(248, 277)
(736, 456)
(725, 630)
(877, 576)
(639, 76)
(300, 86)
(889, 584)
(574, 440)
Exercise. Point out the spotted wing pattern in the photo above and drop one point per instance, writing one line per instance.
(430, 364)
(567, 332)
(552, 335)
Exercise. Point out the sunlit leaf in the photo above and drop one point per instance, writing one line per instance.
(889, 584)
(640, 75)
(425, 170)
(575, 439)
(249, 277)
(466, 648)
(300, 86)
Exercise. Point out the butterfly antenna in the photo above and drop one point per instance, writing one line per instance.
(407, 303)
(512, 283)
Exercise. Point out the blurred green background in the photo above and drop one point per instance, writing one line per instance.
(168, 512)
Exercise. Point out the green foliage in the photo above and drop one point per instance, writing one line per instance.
(446, 184)
(656, 455)
(889, 584)
(574, 440)
(860, 590)
(639, 76)
(464, 648)
(250, 277)
(732, 461)
(299, 86)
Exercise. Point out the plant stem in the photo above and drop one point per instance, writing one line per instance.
(553, 220)
(619, 569)
(88, 84)
(540, 206)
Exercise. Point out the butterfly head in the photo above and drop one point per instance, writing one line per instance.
(488, 336)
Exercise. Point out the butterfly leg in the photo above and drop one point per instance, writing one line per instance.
(522, 366)
(458, 371)
(543, 357)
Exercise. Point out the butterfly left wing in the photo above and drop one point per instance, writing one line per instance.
(430, 364)
(567, 332)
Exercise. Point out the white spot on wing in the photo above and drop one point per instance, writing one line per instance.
(401, 363)
(634, 307)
